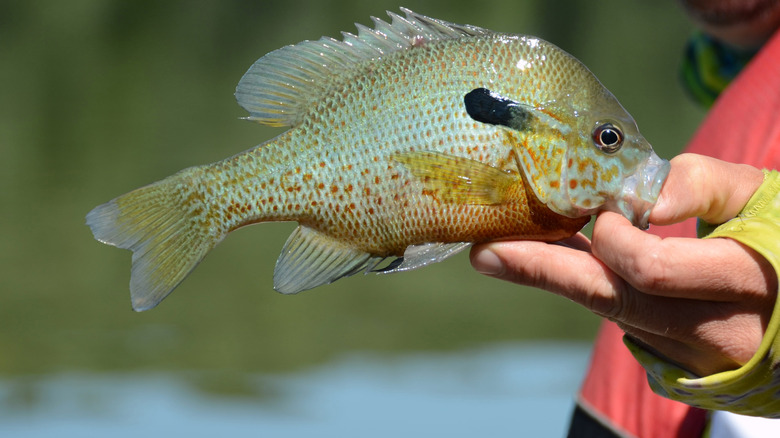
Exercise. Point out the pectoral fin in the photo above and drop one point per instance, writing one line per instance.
(457, 179)
(310, 259)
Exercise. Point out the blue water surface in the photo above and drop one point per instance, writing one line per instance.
(502, 390)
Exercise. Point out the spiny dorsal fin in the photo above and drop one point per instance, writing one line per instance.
(282, 85)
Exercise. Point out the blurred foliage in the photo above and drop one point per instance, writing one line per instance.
(102, 96)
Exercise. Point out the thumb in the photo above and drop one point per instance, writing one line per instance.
(704, 187)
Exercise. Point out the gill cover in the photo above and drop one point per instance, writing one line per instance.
(580, 167)
(539, 136)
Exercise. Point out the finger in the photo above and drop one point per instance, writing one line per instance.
(712, 269)
(700, 361)
(578, 241)
(731, 329)
(700, 186)
(563, 270)
(582, 278)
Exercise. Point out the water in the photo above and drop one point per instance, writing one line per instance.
(503, 390)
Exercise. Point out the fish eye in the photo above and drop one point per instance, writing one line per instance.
(608, 138)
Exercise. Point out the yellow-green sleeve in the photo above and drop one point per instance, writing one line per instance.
(753, 389)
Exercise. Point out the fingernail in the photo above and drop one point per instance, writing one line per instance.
(488, 263)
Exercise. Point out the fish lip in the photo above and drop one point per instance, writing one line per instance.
(641, 189)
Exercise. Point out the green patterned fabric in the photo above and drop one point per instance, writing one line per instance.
(709, 66)
(754, 388)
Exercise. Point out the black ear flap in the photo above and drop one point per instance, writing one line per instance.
(485, 106)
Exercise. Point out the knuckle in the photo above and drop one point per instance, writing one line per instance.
(616, 307)
(649, 273)
(606, 297)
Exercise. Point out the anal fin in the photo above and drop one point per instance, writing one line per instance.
(310, 259)
(417, 256)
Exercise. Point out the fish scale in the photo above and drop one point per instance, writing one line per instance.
(407, 142)
(348, 214)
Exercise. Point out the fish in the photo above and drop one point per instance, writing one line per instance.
(405, 144)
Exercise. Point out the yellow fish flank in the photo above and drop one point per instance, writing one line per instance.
(407, 143)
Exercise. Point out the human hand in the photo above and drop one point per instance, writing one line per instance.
(703, 304)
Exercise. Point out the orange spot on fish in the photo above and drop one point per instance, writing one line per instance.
(320, 186)
(573, 184)
(334, 188)
(555, 184)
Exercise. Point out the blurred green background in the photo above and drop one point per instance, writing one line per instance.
(101, 96)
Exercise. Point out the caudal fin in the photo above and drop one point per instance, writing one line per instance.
(162, 224)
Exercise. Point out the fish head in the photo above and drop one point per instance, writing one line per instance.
(608, 164)
(579, 150)
(582, 153)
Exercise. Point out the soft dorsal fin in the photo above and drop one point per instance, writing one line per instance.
(282, 85)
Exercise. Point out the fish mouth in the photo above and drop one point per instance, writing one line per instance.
(641, 189)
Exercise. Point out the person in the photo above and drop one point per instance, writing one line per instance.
(700, 317)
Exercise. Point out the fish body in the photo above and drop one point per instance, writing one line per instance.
(407, 142)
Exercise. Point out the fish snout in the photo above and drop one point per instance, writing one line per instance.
(641, 189)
